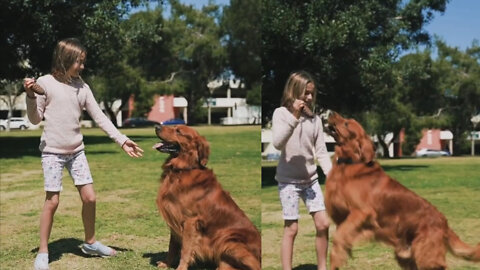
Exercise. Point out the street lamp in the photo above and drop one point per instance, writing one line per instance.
(475, 120)
(212, 85)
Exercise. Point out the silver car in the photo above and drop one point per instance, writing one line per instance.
(424, 152)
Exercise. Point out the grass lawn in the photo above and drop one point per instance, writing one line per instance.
(451, 184)
(126, 188)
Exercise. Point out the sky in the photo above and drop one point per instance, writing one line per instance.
(459, 25)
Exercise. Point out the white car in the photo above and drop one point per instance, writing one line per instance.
(424, 152)
(15, 123)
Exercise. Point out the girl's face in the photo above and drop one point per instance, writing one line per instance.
(77, 67)
(308, 94)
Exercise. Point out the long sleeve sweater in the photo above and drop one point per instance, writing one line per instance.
(62, 107)
(300, 142)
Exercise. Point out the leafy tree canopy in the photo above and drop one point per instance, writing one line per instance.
(348, 45)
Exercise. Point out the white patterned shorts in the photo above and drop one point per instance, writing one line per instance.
(310, 193)
(76, 165)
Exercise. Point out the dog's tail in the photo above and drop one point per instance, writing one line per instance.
(460, 249)
(237, 255)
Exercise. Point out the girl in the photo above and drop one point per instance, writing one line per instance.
(300, 140)
(60, 104)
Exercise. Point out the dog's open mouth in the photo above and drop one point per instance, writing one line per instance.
(167, 147)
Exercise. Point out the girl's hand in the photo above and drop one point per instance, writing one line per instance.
(27, 84)
(297, 107)
(132, 149)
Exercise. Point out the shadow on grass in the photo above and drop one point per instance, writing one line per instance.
(268, 176)
(162, 256)
(18, 147)
(306, 267)
(57, 248)
(155, 257)
(268, 173)
(392, 168)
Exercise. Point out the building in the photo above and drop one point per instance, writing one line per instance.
(166, 108)
(436, 139)
(227, 104)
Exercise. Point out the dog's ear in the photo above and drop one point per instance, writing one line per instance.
(203, 150)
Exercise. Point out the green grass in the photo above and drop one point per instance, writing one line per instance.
(451, 184)
(126, 189)
(128, 220)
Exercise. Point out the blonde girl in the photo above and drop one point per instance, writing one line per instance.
(301, 141)
(60, 105)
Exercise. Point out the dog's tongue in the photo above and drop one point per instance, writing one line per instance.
(157, 146)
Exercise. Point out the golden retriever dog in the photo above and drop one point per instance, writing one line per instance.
(205, 223)
(365, 202)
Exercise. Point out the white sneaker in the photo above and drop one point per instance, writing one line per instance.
(41, 261)
(98, 249)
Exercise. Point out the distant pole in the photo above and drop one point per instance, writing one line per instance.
(209, 109)
(212, 85)
(475, 120)
(473, 143)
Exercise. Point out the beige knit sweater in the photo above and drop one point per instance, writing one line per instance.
(61, 107)
(300, 142)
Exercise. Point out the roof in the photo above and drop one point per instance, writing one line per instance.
(446, 135)
(180, 102)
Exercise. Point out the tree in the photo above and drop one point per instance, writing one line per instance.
(241, 23)
(199, 51)
(178, 54)
(460, 85)
(28, 43)
(12, 90)
(344, 43)
(30, 30)
(108, 50)
(405, 95)
(429, 93)
(125, 82)
(148, 52)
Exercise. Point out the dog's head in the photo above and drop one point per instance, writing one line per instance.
(353, 143)
(187, 149)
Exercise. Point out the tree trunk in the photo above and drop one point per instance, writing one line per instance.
(111, 114)
(9, 116)
(384, 146)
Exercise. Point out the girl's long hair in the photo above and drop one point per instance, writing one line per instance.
(65, 54)
(295, 88)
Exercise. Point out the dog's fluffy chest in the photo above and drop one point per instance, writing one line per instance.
(178, 196)
(344, 188)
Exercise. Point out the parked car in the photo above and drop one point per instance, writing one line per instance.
(15, 123)
(175, 121)
(424, 152)
(138, 122)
